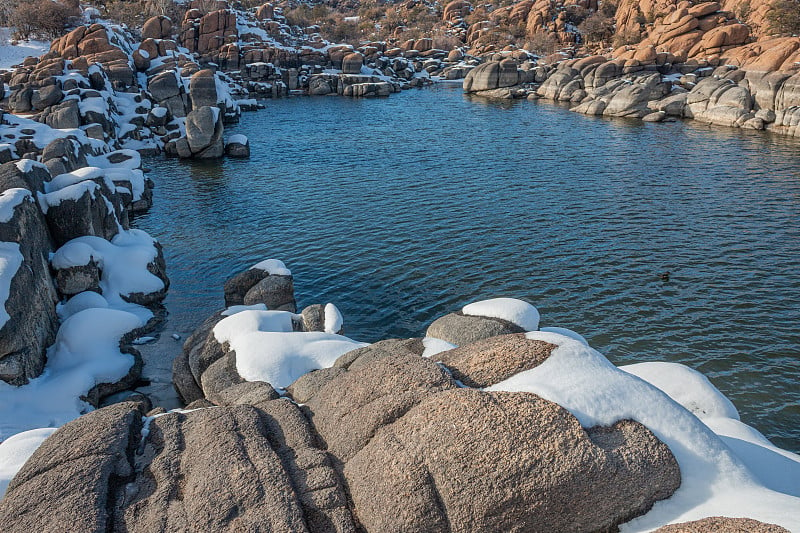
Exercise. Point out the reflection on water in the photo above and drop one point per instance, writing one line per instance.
(401, 209)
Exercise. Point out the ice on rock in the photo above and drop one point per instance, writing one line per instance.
(15, 451)
(273, 266)
(333, 319)
(238, 139)
(715, 480)
(512, 310)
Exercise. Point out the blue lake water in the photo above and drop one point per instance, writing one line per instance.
(400, 210)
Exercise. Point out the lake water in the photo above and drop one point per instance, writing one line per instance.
(400, 210)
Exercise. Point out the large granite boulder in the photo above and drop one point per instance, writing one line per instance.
(257, 285)
(348, 410)
(28, 321)
(466, 460)
(204, 134)
(203, 89)
(238, 468)
(492, 75)
(159, 27)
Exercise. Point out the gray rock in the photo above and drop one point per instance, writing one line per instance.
(32, 322)
(491, 75)
(66, 150)
(20, 100)
(307, 385)
(237, 149)
(467, 460)
(66, 115)
(77, 279)
(89, 214)
(63, 484)
(46, 96)
(276, 292)
(460, 329)
(203, 89)
(204, 133)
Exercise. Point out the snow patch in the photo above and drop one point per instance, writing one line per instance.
(333, 319)
(15, 451)
(10, 199)
(273, 266)
(10, 261)
(512, 310)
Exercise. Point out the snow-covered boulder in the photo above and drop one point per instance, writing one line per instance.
(237, 146)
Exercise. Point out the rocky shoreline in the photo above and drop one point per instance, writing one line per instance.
(442, 429)
(289, 424)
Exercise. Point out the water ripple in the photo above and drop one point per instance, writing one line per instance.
(400, 210)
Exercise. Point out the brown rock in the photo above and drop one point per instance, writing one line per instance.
(722, 524)
(490, 361)
(348, 410)
(466, 460)
(159, 27)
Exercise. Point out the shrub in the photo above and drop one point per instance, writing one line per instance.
(625, 37)
(784, 16)
(40, 18)
(596, 28)
(542, 43)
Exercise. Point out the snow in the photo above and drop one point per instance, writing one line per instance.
(79, 302)
(232, 310)
(70, 192)
(238, 139)
(159, 112)
(512, 310)
(11, 55)
(86, 352)
(249, 321)
(9, 200)
(567, 333)
(333, 319)
(123, 262)
(281, 358)
(26, 165)
(686, 386)
(10, 261)
(273, 266)
(715, 480)
(15, 451)
(434, 346)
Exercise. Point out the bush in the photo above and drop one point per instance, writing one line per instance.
(40, 18)
(784, 16)
(542, 43)
(629, 36)
(596, 28)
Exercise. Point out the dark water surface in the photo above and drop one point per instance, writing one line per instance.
(402, 209)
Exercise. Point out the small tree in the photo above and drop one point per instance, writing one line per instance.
(784, 16)
(40, 18)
